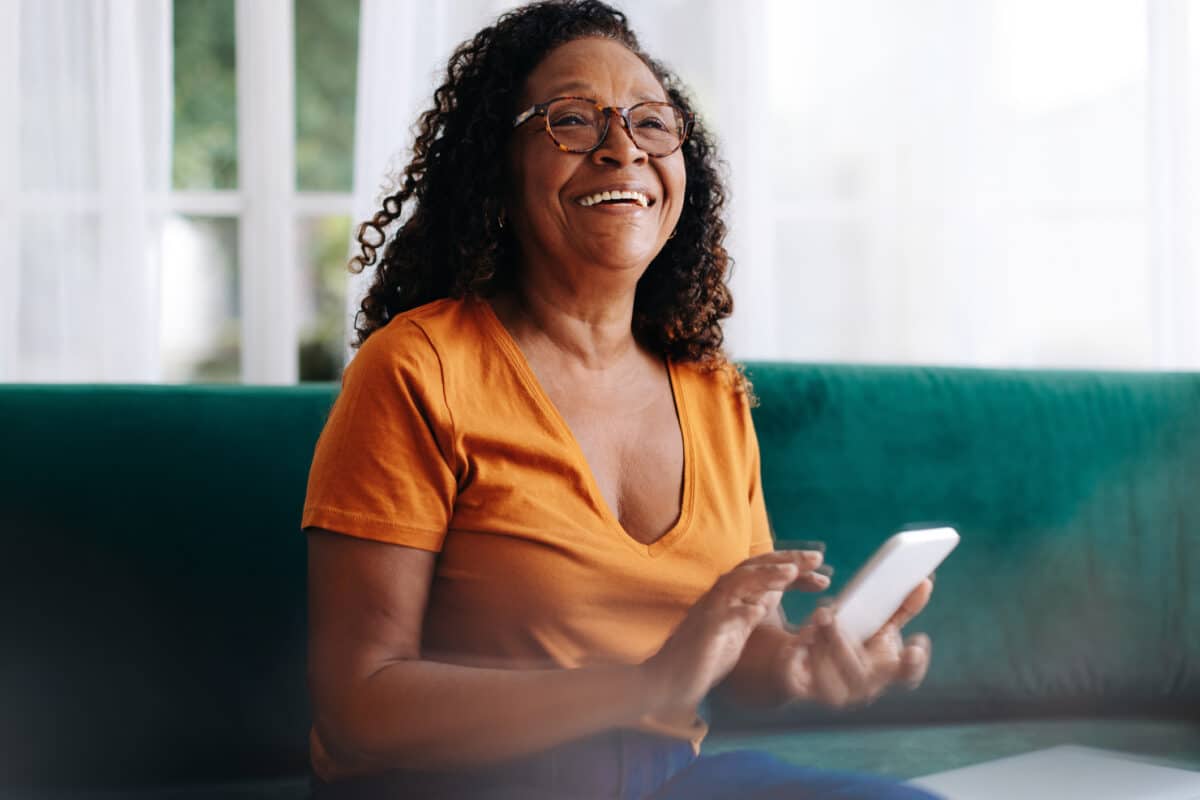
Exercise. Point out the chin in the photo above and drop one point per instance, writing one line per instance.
(619, 253)
(633, 260)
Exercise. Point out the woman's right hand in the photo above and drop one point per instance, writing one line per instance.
(707, 644)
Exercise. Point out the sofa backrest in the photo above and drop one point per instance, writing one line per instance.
(1076, 586)
(153, 582)
(152, 573)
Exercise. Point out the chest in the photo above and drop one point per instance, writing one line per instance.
(633, 445)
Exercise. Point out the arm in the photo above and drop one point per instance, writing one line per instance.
(377, 705)
(376, 702)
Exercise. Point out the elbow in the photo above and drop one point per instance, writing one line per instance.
(361, 735)
(342, 746)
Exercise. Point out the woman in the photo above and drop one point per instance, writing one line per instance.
(536, 533)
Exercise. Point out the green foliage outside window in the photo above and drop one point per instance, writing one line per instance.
(326, 70)
(205, 154)
(324, 338)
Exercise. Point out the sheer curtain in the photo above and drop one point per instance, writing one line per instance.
(996, 183)
(403, 47)
(84, 174)
(1002, 182)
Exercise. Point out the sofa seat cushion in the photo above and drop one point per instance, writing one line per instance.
(908, 751)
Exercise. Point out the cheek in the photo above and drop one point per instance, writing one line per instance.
(535, 178)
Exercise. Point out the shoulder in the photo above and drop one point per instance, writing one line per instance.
(412, 344)
(716, 393)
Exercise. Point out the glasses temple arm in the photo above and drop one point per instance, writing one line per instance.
(524, 116)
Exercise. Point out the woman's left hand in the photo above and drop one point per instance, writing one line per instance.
(820, 664)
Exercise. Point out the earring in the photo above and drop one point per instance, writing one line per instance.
(500, 219)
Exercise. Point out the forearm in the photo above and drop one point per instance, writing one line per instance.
(428, 715)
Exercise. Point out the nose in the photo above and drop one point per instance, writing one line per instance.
(618, 148)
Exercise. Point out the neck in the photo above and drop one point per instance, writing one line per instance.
(591, 326)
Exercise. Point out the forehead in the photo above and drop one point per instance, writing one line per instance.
(597, 68)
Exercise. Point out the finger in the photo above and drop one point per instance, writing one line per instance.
(808, 559)
(826, 683)
(814, 581)
(913, 604)
(794, 668)
(847, 656)
(749, 583)
(915, 660)
(884, 651)
(803, 635)
(768, 601)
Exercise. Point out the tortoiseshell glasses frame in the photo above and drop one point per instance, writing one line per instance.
(682, 124)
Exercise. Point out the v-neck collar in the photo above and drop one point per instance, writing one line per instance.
(533, 386)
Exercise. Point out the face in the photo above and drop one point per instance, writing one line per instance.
(547, 207)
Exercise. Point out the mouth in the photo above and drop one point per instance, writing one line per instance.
(616, 197)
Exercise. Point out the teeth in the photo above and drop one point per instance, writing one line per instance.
(599, 197)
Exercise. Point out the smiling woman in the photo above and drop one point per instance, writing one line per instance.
(461, 181)
(537, 535)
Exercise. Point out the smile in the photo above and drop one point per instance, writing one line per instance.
(615, 197)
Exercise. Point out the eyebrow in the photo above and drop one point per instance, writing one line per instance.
(580, 89)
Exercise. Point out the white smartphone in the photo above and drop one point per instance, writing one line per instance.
(874, 594)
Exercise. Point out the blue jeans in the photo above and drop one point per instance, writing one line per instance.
(624, 765)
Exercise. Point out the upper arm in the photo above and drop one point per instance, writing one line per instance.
(366, 603)
(384, 465)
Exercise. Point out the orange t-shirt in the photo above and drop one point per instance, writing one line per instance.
(442, 439)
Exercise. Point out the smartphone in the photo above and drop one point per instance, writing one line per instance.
(874, 594)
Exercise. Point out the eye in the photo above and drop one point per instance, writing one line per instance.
(653, 122)
(567, 119)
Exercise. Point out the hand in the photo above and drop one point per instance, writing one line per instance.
(820, 664)
(709, 641)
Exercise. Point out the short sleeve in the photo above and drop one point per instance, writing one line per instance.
(383, 467)
(761, 540)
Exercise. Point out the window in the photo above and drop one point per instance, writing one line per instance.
(255, 249)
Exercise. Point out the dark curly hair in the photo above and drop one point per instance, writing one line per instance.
(452, 244)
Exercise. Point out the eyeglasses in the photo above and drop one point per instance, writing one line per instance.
(580, 124)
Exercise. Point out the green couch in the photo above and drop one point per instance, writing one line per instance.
(152, 638)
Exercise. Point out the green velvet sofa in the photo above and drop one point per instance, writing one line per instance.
(152, 623)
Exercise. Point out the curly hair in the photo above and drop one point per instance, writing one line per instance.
(448, 201)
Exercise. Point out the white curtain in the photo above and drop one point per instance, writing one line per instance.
(403, 47)
(84, 175)
(994, 182)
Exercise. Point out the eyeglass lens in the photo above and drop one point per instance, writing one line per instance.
(577, 125)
